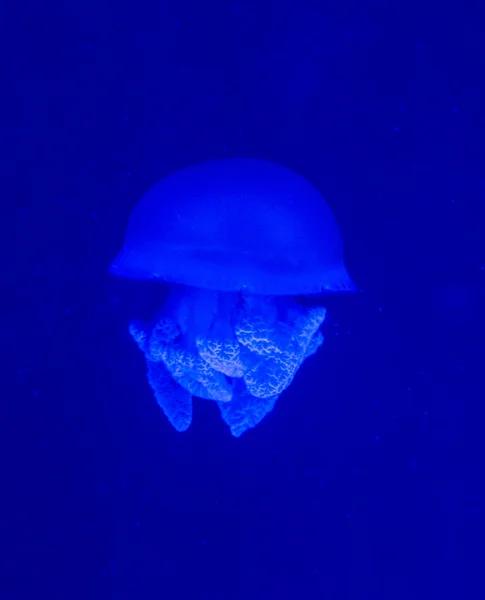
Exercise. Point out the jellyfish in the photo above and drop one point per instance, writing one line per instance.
(239, 241)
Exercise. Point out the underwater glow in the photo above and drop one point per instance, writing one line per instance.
(237, 240)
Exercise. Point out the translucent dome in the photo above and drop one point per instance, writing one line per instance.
(236, 225)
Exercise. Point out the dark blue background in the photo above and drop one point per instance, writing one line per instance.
(365, 481)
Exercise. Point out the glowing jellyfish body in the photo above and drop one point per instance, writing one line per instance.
(238, 240)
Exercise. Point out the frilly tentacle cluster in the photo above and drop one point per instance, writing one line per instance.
(244, 359)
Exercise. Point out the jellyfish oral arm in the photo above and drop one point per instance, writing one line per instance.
(239, 350)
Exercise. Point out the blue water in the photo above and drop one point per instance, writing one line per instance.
(364, 481)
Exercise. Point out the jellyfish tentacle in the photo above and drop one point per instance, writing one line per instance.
(166, 343)
(275, 349)
(138, 332)
(245, 411)
(175, 402)
(307, 326)
(314, 345)
(219, 347)
(223, 355)
(164, 333)
(196, 375)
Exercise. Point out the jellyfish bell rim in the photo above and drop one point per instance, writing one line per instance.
(198, 272)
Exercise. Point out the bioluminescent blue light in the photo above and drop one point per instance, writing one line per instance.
(238, 240)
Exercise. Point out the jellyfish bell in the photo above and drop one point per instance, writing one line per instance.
(238, 240)
(236, 224)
